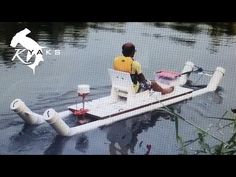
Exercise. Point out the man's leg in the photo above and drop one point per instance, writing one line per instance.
(158, 88)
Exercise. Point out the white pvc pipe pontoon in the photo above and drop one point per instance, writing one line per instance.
(216, 79)
(54, 119)
(188, 67)
(25, 113)
(59, 125)
(213, 84)
(19, 107)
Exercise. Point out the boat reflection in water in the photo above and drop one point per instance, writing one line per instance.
(123, 136)
(58, 145)
(82, 143)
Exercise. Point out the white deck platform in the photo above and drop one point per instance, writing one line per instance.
(107, 107)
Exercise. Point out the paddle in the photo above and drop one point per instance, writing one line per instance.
(174, 75)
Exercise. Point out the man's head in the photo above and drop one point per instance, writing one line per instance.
(128, 49)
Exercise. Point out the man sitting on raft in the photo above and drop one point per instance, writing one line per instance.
(126, 63)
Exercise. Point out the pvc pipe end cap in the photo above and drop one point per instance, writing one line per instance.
(220, 69)
(16, 103)
(49, 113)
(189, 63)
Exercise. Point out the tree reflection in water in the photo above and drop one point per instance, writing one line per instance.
(215, 30)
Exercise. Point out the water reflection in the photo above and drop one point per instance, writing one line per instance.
(110, 27)
(58, 145)
(221, 28)
(215, 30)
(123, 136)
(57, 34)
(183, 41)
(217, 96)
(82, 144)
(25, 140)
(191, 28)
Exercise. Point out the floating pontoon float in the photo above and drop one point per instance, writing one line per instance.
(122, 103)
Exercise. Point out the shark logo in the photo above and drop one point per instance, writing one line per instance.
(33, 48)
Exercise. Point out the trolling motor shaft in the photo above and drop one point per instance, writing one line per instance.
(83, 98)
(83, 91)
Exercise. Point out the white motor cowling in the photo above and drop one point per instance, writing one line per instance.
(83, 89)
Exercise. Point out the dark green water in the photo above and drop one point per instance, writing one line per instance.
(87, 51)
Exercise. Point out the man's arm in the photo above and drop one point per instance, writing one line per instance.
(138, 70)
(141, 78)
